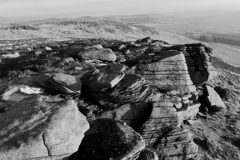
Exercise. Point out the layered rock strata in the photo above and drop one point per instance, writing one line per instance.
(168, 71)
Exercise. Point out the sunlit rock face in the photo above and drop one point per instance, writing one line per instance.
(34, 128)
(168, 71)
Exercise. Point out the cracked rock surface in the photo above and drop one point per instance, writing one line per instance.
(33, 128)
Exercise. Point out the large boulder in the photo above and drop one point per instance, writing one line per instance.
(103, 78)
(109, 139)
(167, 70)
(105, 54)
(35, 128)
(212, 100)
(133, 114)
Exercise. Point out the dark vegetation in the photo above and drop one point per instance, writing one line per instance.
(24, 27)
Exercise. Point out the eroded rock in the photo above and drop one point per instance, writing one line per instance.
(103, 78)
(105, 54)
(212, 100)
(110, 139)
(147, 154)
(132, 88)
(36, 129)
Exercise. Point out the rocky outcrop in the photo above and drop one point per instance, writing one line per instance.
(147, 85)
(198, 59)
(167, 115)
(37, 129)
(168, 71)
(110, 139)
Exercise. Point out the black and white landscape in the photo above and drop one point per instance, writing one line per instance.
(119, 80)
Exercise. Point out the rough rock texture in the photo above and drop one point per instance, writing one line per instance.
(53, 82)
(176, 144)
(37, 129)
(147, 154)
(163, 118)
(168, 71)
(110, 139)
(167, 115)
(212, 100)
(105, 54)
(134, 115)
(202, 69)
(198, 58)
(103, 78)
(132, 88)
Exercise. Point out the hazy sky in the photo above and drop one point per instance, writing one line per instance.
(77, 8)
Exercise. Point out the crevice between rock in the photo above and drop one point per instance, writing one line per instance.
(49, 154)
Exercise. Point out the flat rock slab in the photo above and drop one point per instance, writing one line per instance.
(37, 129)
(108, 139)
(132, 88)
(103, 78)
(52, 82)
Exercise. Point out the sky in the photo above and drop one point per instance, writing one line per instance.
(78, 8)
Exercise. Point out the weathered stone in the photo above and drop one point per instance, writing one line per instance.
(147, 154)
(212, 100)
(110, 139)
(36, 129)
(52, 82)
(105, 54)
(176, 145)
(132, 88)
(163, 118)
(134, 115)
(168, 71)
(103, 78)
(198, 58)
(66, 83)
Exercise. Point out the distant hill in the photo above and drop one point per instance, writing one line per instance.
(44, 21)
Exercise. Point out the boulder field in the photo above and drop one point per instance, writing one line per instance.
(104, 100)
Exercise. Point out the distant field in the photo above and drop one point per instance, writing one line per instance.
(232, 39)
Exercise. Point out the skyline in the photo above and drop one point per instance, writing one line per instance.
(76, 8)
